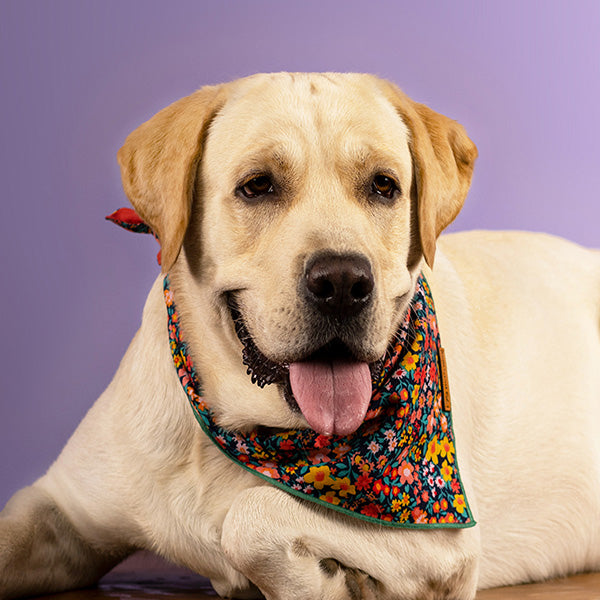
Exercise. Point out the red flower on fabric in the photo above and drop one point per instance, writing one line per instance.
(364, 481)
(444, 423)
(433, 373)
(269, 469)
(372, 414)
(429, 342)
(449, 518)
(184, 377)
(419, 516)
(431, 423)
(322, 441)
(371, 510)
(380, 486)
(286, 445)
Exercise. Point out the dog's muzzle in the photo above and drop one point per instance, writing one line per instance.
(330, 385)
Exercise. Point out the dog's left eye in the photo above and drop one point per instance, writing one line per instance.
(260, 185)
(385, 186)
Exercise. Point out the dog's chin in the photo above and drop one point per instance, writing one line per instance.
(263, 370)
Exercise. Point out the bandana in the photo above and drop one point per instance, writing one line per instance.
(398, 469)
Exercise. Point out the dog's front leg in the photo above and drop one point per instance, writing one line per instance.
(42, 551)
(294, 549)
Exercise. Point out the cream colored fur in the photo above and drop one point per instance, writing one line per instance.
(519, 316)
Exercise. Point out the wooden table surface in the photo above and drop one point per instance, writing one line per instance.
(145, 576)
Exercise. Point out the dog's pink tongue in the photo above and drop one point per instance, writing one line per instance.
(333, 396)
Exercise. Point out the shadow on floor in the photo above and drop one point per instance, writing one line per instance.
(145, 576)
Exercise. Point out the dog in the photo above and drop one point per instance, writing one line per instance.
(296, 215)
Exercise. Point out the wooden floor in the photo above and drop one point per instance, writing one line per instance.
(147, 577)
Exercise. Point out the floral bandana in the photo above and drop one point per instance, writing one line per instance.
(398, 469)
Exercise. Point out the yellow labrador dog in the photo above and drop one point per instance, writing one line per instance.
(315, 201)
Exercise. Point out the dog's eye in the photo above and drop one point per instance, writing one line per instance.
(257, 186)
(385, 186)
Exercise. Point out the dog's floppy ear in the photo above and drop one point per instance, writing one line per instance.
(158, 164)
(443, 161)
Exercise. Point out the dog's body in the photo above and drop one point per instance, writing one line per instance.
(293, 168)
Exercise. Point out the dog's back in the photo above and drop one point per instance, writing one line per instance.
(531, 322)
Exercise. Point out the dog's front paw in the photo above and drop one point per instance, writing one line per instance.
(358, 584)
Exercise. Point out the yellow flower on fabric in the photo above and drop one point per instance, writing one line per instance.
(416, 346)
(344, 487)
(410, 361)
(459, 503)
(446, 471)
(330, 497)
(433, 450)
(447, 449)
(415, 393)
(319, 476)
(396, 505)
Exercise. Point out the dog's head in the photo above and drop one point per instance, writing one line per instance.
(294, 211)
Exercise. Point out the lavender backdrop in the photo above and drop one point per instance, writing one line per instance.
(76, 77)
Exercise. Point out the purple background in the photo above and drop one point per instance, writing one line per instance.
(76, 77)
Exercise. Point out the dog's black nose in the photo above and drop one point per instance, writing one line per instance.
(339, 285)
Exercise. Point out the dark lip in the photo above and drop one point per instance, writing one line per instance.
(261, 369)
(264, 371)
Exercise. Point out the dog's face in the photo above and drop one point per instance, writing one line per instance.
(304, 204)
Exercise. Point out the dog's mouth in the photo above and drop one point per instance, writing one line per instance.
(330, 386)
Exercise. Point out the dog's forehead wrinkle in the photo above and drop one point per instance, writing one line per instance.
(342, 99)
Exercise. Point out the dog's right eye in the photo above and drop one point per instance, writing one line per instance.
(384, 186)
(256, 187)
